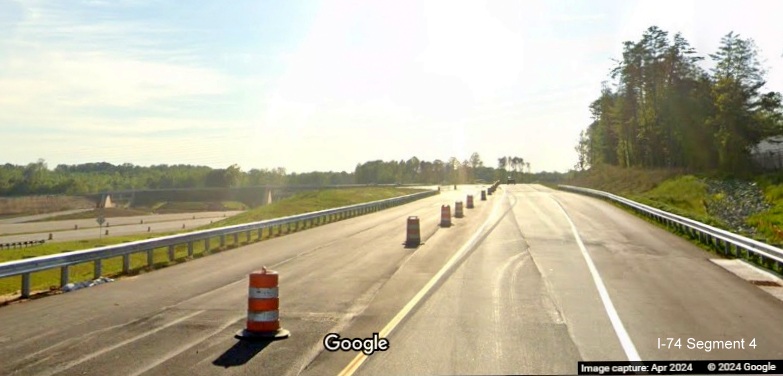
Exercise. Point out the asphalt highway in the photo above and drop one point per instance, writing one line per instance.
(530, 281)
(37, 217)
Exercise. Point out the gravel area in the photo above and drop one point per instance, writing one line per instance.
(734, 201)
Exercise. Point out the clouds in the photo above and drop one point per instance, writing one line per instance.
(323, 85)
(61, 75)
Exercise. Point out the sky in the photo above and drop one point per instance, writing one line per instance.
(324, 85)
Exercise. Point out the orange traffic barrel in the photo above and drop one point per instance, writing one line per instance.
(470, 202)
(263, 319)
(458, 209)
(483, 195)
(413, 233)
(445, 216)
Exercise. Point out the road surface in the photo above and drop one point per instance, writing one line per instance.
(38, 217)
(88, 228)
(519, 298)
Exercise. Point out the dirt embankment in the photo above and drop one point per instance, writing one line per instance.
(26, 205)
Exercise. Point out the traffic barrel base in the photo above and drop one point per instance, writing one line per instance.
(469, 203)
(262, 336)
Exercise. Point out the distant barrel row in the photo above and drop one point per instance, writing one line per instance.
(263, 304)
(413, 230)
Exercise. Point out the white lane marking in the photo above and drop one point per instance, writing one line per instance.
(496, 295)
(104, 350)
(182, 349)
(617, 324)
(357, 361)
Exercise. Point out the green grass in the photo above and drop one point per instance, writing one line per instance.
(668, 190)
(313, 201)
(190, 206)
(684, 195)
(622, 181)
(770, 222)
(297, 204)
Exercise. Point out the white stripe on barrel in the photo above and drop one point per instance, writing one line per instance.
(262, 292)
(263, 316)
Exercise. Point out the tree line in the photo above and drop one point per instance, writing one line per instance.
(449, 171)
(663, 110)
(37, 178)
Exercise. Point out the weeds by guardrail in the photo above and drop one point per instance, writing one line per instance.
(727, 243)
(97, 255)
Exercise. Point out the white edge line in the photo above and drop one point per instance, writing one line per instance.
(357, 361)
(186, 347)
(619, 329)
(104, 350)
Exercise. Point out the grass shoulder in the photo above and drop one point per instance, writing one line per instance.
(310, 201)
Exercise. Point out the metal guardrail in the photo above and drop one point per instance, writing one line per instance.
(270, 186)
(724, 241)
(96, 255)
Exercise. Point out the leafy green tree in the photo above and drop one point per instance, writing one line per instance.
(738, 78)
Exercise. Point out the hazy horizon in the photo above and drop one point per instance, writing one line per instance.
(325, 85)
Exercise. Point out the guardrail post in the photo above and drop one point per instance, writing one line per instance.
(236, 239)
(171, 253)
(190, 249)
(150, 257)
(261, 233)
(64, 275)
(727, 248)
(26, 285)
(206, 244)
(247, 236)
(125, 263)
(222, 241)
(97, 269)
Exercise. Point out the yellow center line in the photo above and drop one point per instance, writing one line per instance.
(360, 358)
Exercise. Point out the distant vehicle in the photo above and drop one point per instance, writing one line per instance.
(510, 181)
